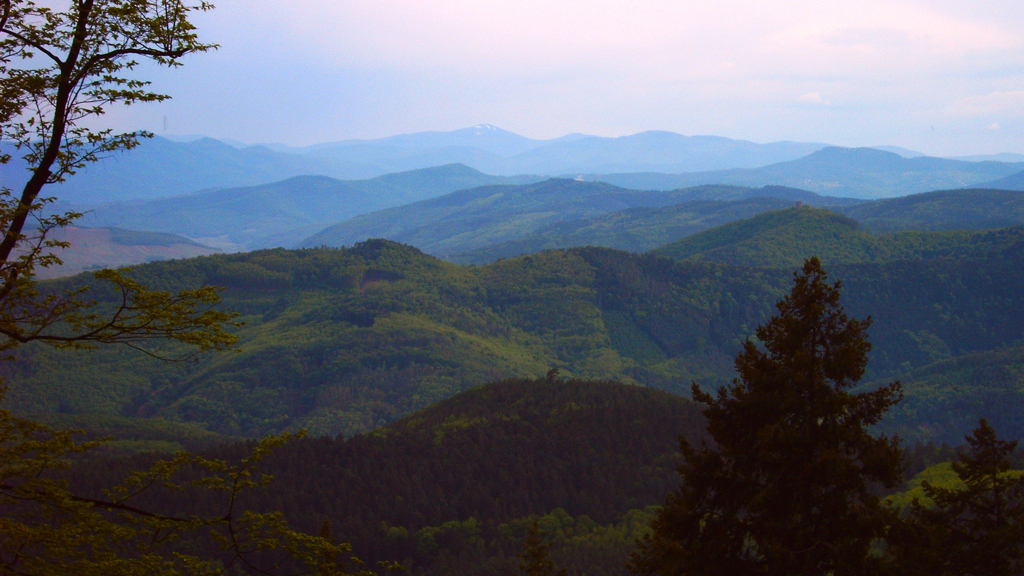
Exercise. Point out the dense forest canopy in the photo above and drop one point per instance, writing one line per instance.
(346, 340)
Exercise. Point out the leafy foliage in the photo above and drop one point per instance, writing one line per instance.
(46, 528)
(535, 561)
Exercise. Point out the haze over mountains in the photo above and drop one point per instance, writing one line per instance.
(292, 196)
(649, 160)
(853, 172)
(283, 213)
(388, 354)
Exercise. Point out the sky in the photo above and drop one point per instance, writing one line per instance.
(942, 77)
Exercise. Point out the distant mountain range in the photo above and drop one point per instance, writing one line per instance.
(161, 167)
(852, 172)
(284, 213)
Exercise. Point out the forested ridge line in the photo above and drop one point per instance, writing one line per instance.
(345, 340)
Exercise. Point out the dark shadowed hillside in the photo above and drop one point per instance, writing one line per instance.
(479, 460)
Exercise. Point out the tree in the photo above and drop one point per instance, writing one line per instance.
(976, 528)
(534, 560)
(58, 69)
(785, 488)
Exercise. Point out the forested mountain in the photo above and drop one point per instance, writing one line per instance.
(465, 471)
(480, 226)
(474, 219)
(941, 395)
(346, 340)
(634, 229)
(785, 238)
(851, 172)
(282, 213)
(972, 209)
(1011, 182)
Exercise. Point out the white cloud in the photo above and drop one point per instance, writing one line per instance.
(812, 98)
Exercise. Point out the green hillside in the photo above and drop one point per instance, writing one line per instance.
(635, 229)
(346, 340)
(976, 209)
(282, 213)
(785, 238)
(478, 219)
(949, 396)
(129, 435)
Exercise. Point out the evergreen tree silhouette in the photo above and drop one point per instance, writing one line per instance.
(785, 487)
(975, 529)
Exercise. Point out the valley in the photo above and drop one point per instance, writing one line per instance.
(406, 322)
(741, 294)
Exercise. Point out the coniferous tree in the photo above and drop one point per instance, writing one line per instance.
(785, 488)
(534, 560)
(975, 529)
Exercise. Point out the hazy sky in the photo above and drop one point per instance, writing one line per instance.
(943, 77)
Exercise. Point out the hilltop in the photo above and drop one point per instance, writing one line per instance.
(634, 229)
(785, 238)
(347, 340)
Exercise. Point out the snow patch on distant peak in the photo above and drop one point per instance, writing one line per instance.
(485, 127)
